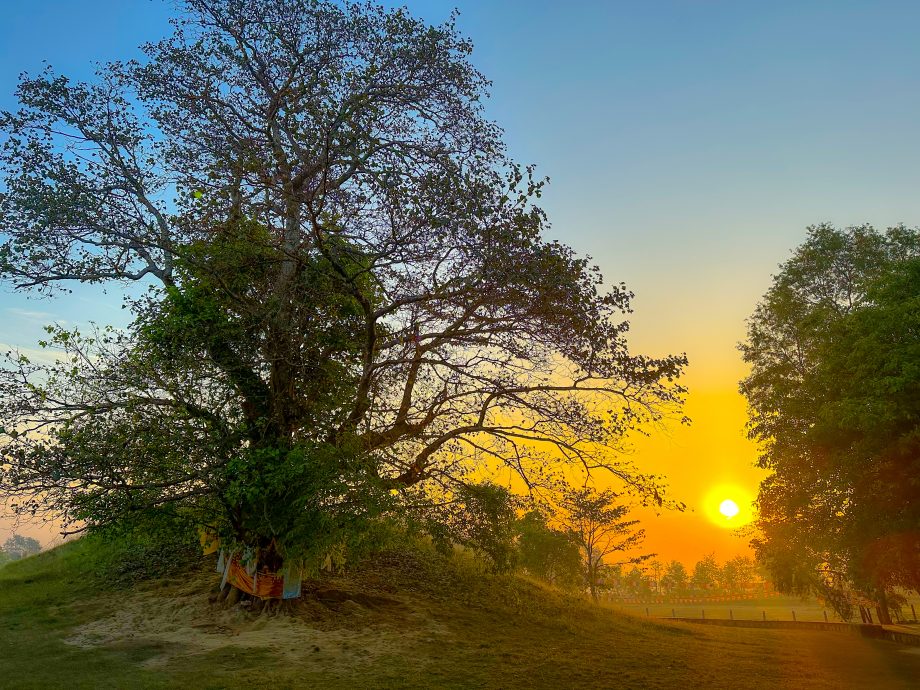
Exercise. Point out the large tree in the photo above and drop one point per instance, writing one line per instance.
(348, 293)
(834, 396)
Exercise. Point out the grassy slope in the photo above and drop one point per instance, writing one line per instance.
(419, 621)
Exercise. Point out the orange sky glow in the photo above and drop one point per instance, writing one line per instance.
(708, 461)
(704, 463)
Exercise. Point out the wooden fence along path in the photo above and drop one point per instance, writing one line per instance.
(894, 633)
(662, 600)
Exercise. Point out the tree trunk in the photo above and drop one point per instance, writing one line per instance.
(592, 581)
(234, 596)
(881, 609)
(884, 615)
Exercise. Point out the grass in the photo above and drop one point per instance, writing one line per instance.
(404, 619)
(42, 599)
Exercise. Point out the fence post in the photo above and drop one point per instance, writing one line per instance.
(704, 614)
(673, 615)
(825, 616)
(731, 616)
(793, 614)
(913, 611)
(646, 611)
(765, 615)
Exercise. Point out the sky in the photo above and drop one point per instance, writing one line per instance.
(688, 144)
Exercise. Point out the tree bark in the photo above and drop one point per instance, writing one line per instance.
(881, 610)
(234, 596)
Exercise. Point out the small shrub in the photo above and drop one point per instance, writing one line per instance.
(152, 545)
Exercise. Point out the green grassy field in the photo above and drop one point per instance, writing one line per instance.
(407, 619)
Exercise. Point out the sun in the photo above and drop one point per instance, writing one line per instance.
(728, 505)
(728, 508)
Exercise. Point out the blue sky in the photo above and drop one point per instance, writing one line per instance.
(688, 143)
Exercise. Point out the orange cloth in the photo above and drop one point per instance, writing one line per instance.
(264, 585)
(269, 585)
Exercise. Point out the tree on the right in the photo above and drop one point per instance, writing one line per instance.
(834, 402)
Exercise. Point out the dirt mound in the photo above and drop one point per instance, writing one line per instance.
(330, 626)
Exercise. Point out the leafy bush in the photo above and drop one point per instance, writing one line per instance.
(547, 553)
(152, 544)
(480, 517)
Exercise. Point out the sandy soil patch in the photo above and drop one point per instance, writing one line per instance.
(329, 628)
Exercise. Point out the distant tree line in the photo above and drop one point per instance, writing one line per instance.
(707, 577)
(18, 547)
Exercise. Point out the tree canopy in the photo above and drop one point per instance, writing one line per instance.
(343, 295)
(705, 573)
(834, 396)
(675, 578)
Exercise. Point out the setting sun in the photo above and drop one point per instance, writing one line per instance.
(728, 505)
(728, 508)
